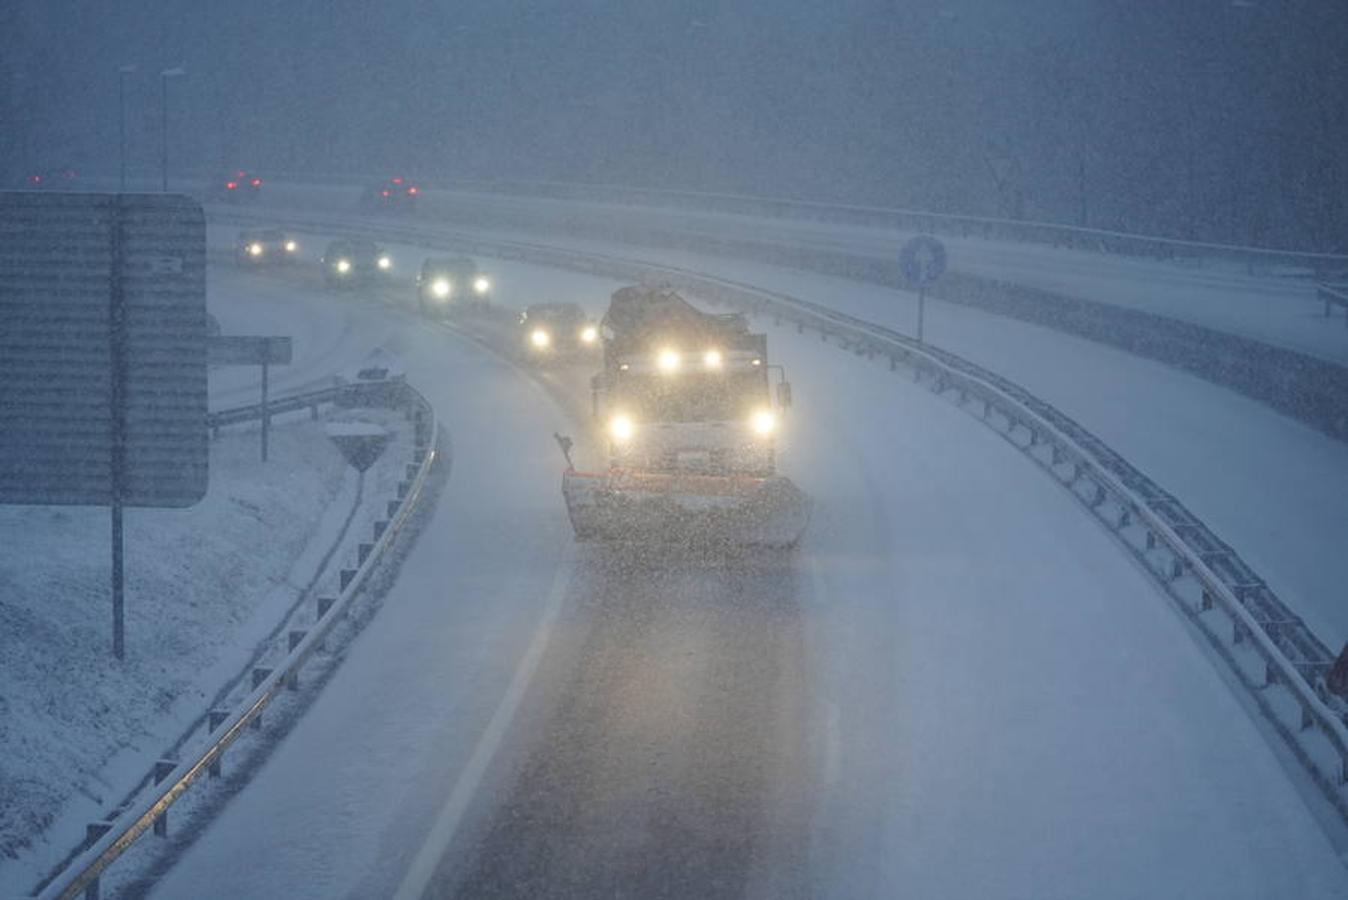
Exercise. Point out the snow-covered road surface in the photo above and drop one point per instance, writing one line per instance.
(957, 687)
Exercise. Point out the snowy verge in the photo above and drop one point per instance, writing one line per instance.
(205, 589)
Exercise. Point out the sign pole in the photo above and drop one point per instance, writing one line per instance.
(266, 413)
(118, 626)
(117, 423)
(921, 308)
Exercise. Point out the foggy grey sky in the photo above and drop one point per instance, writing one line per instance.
(1208, 119)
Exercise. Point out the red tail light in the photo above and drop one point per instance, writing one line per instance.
(397, 180)
(257, 182)
(412, 189)
(231, 185)
(384, 192)
(35, 179)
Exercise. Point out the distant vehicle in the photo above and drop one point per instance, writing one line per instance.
(265, 247)
(349, 262)
(235, 187)
(63, 178)
(449, 283)
(395, 193)
(552, 330)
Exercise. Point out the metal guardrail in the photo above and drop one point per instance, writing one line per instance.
(82, 874)
(1095, 240)
(1333, 295)
(310, 400)
(1269, 648)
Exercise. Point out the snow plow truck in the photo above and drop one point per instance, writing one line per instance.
(690, 419)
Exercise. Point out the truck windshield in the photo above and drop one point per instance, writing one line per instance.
(692, 397)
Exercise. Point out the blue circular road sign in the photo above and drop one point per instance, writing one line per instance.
(922, 260)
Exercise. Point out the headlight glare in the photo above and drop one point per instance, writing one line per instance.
(540, 338)
(620, 428)
(385, 263)
(481, 285)
(764, 422)
(668, 360)
(343, 266)
(589, 334)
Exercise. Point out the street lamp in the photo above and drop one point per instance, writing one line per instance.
(122, 72)
(164, 77)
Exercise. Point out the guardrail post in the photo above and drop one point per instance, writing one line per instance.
(347, 576)
(1205, 602)
(363, 552)
(1270, 674)
(1237, 633)
(162, 769)
(1151, 539)
(293, 641)
(324, 604)
(260, 675)
(92, 832)
(214, 719)
(1176, 569)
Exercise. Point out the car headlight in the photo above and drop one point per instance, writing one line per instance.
(385, 263)
(343, 266)
(621, 429)
(668, 360)
(482, 285)
(589, 334)
(441, 288)
(540, 338)
(255, 249)
(764, 422)
(291, 246)
(712, 359)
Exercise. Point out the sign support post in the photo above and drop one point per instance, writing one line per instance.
(117, 424)
(266, 413)
(922, 261)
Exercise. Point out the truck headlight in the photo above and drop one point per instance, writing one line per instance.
(482, 285)
(589, 334)
(385, 263)
(620, 428)
(343, 266)
(712, 359)
(441, 288)
(254, 249)
(540, 338)
(763, 422)
(291, 246)
(668, 360)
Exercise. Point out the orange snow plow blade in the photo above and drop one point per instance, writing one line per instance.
(703, 509)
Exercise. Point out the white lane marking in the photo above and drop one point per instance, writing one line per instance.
(447, 823)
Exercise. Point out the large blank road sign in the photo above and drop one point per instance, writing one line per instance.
(102, 349)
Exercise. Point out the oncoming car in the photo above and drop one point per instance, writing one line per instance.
(449, 283)
(349, 262)
(265, 247)
(550, 330)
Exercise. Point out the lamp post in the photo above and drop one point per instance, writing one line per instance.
(122, 72)
(164, 77)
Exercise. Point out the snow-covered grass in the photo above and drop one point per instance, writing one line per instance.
(204, 588)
